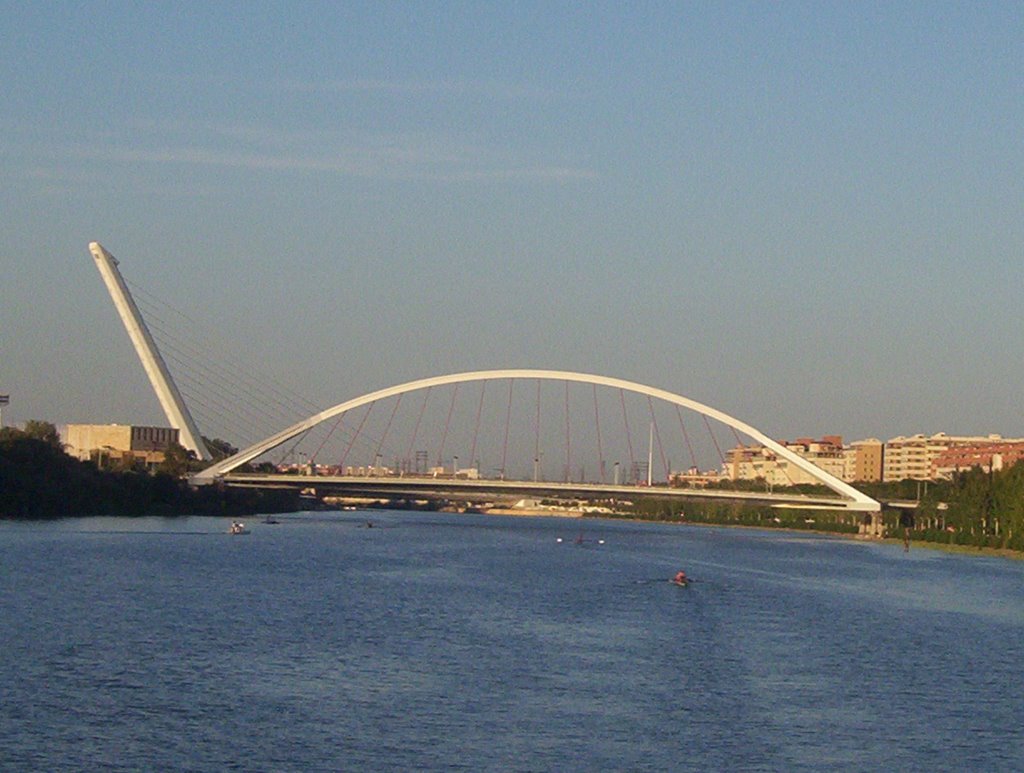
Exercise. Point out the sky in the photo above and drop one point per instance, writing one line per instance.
(808, 215)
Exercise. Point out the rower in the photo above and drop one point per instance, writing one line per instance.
(680, 578)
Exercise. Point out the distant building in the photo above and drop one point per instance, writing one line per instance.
(758, 462)
(988, 456)
(917, 457)
(119, 443)
(858, 461)
(863, 461)
(694, 478)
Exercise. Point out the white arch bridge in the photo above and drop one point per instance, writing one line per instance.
(399, 485)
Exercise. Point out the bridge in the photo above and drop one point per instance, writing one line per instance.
(508, 416)
(405, 488)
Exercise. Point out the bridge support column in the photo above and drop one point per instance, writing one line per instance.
(871, 526)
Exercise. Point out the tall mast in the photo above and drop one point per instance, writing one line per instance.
(166, 391)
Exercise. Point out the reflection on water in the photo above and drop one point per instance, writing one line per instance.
(484, 643)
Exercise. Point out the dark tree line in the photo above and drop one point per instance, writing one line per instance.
(39, 480)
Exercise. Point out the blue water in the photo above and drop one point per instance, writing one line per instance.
(462, 642)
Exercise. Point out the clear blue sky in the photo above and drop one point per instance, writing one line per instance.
(806, 214)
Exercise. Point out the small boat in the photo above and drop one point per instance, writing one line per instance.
(681, 583)
(237, 528)
(271, 520)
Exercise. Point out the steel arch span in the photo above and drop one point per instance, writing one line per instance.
(856, 499)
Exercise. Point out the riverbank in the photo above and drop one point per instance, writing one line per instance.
(944, 547)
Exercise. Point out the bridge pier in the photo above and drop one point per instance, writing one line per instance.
(871, 526)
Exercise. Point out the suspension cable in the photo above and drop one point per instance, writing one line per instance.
(369, 408)
(568, 446)
(447, 423)
(686, 437)
(657, 437)
(476, 428)
(713, 439)
(416, 430)
(508, 419)
(629, 438)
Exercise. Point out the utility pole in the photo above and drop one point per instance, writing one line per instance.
(650, 456)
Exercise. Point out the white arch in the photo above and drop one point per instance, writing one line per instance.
(859, 501)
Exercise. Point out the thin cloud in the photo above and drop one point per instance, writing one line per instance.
(385, 158)
(491, 89)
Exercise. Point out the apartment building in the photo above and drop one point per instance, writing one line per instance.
(863, 461)
(987, 456)
(755, 461)
(917, 457)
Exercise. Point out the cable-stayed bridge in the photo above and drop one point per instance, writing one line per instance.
(473, 436)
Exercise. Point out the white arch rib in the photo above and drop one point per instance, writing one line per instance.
(859, 501)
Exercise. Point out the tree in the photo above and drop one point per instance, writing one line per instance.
(219, 449)
(45, 431)
(176, 461)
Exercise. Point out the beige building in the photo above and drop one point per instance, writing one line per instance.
(757, 462)
(858, 461)
(917, 457)
(863, 461)
(120, 443)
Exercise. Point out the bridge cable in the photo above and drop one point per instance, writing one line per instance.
(657, 437)
(735, 434)
(387, 429)
(597, 424)
(366, 415)
(447, 423)
(201, 376)
(212, 397)
(240, 367)
(312, 459)
(416, 430)
(476, 428)
(508, 419)
(686, 437)
(210, 377)
(536, 436)
(629, 438)
(291, 450)
(213, 380)
(568, 446)
(713, 439)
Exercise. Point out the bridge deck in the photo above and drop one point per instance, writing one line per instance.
(483, 489)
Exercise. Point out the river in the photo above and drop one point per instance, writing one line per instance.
(468, 642)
